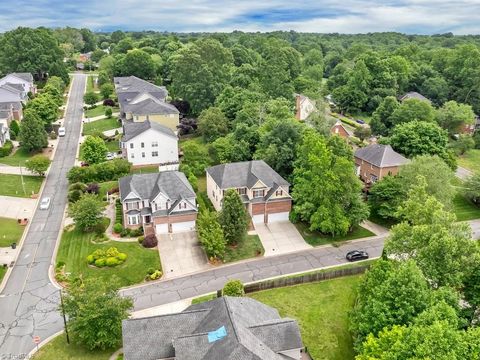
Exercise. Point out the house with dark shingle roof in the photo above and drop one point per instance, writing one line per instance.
(164, 202)
(263, 191)
(375, 161)
(149, 143)
(249, 330)
(22, 81)
(413, 95)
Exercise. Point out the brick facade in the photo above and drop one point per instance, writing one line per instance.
(371, 173)
(174, 219)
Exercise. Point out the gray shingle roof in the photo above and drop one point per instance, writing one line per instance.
(413, 95)
(24, 76)
(254, 332)
(132, 129)
(16, 105)
(245, 174)
(19, 87)
(173, 184)
(150, 106)
(137, 85)
(380, 155)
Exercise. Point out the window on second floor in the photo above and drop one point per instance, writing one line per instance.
(242, 191)
(258, 193)
(131, 145)
(142, 145)
(132, 205)
(279, 193)
(154, 143)
(154, 153)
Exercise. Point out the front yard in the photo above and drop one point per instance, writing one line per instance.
(99, 110)
(11, 185)
(75, 246)
(250, 247)
(18, 158)
(97, 126)
(3, 270)
(470, 160)
(315, 238)
(464, 209)
(10, 232)
(321, 310)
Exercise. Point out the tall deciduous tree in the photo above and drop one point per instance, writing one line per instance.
(382, 122)
(32, 132)
(326, 190)
(138, 63)
(413, 110)
(93, 150)
(233, 217)
(46, 107)
(86, 212)
(210, 234)
(212, 124)
(453, 116)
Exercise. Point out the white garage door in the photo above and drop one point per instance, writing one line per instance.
(257, 219)
(283, 216)
(161, 229)
(183, 226)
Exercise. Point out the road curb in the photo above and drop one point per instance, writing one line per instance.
(42, 344)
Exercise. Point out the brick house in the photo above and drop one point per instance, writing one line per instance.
(163, 201)
(304, 106)
(375, 161)
(340, 130)
(263, 191)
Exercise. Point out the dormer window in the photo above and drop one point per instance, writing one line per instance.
(279, 193)
(258, 193)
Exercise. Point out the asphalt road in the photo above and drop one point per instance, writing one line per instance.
(29, 302)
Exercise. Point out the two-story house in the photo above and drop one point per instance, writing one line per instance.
(163, 201)
(23, 81)
(304, 106)
(149, 143)
(263, 191)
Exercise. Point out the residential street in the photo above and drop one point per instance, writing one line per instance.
(29, 302)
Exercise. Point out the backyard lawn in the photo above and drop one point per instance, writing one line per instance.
(470, 160)
(250, 247)
(10, 232)
(75, 246)
(11, 185)
(321, 310)
(113, 146)
(145, 169)
(59, 349)
(98, 111)
(100, 126)
(465, 209)
(315, 238)
(17, 158)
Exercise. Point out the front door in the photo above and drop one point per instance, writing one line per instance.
(148, 219)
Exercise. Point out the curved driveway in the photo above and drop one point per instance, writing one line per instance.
(29, 302)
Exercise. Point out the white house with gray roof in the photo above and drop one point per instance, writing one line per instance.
(149, 143)
(227, 328)
(162, 202)
(263, 191)
(22, 81)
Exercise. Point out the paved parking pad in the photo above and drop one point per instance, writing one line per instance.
(181, 254)
(17, 207)
(280, 238)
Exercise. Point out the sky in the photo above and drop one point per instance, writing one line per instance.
(323, 16)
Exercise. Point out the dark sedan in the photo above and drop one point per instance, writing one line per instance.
(356, 255)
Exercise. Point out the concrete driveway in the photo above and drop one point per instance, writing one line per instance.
(280, 238)
(17, 207)
(181, 254)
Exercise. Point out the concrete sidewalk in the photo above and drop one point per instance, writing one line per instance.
(15, 170)
(17, 207)
(100, 117)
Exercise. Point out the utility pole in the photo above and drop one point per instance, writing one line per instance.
(64, 318)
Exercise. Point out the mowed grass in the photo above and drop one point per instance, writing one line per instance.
(10, 232)
(113, 146)
(315, 238)
(18, 158)
(11, 185)
(145, 169)
(321, 310)
(250, 247)
(100, 126)
(75, 246)
(470, 160)
(3, 270)
(58, 348)
(98, 111)
(464, 209)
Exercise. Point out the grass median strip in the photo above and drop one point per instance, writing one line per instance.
(315, 238)
(11, 185)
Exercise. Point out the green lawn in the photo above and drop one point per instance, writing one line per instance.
(105, 186)
(75, 246)
(91, 84)
(100, 126)
(113, 146)
(465, 209)
(321, 310)
(315, 238)
(59, 349)
(98, 110)
(145, 169)
(202, 183)
(250, 247)
(17, 158)
(3, 270)
(470, 160)
(11, 185)
(10, 231)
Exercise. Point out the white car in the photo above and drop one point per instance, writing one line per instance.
(45, 203)
(61, 131)
(110, 156)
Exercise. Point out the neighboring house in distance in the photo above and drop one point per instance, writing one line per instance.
(339, 129)
(25, 80)
(413, 95)
(140, 100)
(164, 202)
(263, 191)
(375, 161)
(4, 133)
(234, 328)
(304, 106)
(149, 143)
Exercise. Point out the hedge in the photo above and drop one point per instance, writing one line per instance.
(6, 149)
(106, 171)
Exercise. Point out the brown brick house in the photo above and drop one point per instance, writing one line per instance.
(340, 130)
(263, 191)
(375, 161)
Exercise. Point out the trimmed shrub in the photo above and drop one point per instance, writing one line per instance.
(53, 135)
(100, 262)
(150, 241)
(125, 232)
(122, 257)
(107, 171)
(108, 112)
(74, 195)
(90, 259)
(108, 102)
(117, 228)
(109, 257)
(136, 232)
(112, 261)
(151, 271)
(140, 239)
(233, 288)
(6, 149)
(78, 186)
(157, 274)
(93, 188)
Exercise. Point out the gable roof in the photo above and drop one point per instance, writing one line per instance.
(150, 106)
(245, 174)
(24, 76)
(254, 331)
(135, 84)
(132, 129)
(413, 95)
(339, 123)
(381, 155)
(173, 184)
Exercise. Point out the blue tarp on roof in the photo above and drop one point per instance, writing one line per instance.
(216, 335)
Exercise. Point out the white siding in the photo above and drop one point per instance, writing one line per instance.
(167, 149)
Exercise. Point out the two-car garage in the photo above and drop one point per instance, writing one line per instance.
(175, 224)
(271, 211)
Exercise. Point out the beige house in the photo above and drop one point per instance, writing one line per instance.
(375, 161)
(263, 191)
(304, 106)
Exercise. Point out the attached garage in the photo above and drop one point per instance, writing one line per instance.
(161, 228)
(258, 219)
(183, 226)
(276, 217)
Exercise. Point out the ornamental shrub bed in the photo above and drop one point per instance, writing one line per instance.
(109, 257)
